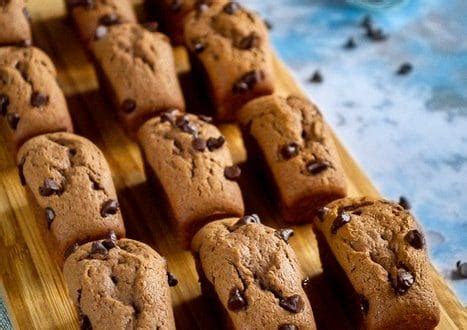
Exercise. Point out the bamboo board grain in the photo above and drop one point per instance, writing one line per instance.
(32, 284)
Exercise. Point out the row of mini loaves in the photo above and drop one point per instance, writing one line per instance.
(284, 135)
(69, 178)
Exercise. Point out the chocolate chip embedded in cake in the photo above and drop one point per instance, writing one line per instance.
(289, 135)
(15, 29)
(75, 189)
(251, 275)
(138, 70)
(196, 173)
(30, 98)
(374, 251)
(120, 287)
(89, 15)
(229, 46)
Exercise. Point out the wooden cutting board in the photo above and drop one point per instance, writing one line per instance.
(31, 282)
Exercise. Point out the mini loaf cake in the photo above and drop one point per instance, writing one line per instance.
(120, 284)
(375, 252)
(137, 68)
(15, 29)
(229, 46)
(71, 180)
(91, 17)
(288, 140)
(30, 98)
(252, 275)
(191, 163)
(172, 13)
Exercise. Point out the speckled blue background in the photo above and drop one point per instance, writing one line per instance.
(409, 133)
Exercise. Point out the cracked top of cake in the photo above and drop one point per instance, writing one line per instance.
(190, 158)
(90, 14)
(293, 138)
(232, 44)
(30, 97)
(254, 272)
(71, 180)
(382, 251)
(14, 23)
(119, 284)
(137, 66)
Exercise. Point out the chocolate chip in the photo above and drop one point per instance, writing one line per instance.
(215, 143)
(363, 304)
(366, 21)
(101, 32)
(403, 281)
(98, 249)
(306, 283)
(245, 220)
(114, 279)
(22, 179)
(341, 220)
(4, 103)
(232, 172)
(201, 7)
(415, 239)
(236, 300)
(39, 99)
(111, 241)
(169, 116)
(199, 144)
(321, 213)
(316, 166)
(151, 26)
(461, 268)
(285, 234)
(231, 8)
(109, 19)
(288, 327)
(12, 119)
(175, 6)
(49, 216)
(171, 279)
(376, 34)
(207, 119)
(350, 43)
(185, 125)
(109, 207)
(293, 304)
(128, 106)
(85, 323)
(404, 202)
(198, 46)
(70, 250)
(268, 24)
(248, 42)
(247, 81)
(50, 187)
(404, 69)
(289, 150)
(316, 77)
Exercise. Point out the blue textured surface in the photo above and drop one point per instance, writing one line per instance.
(409, 133)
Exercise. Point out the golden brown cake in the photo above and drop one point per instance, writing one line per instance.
(375, 255)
